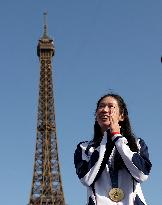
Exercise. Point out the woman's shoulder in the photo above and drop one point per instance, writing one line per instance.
(85, 147)
(141, 143)
(84, 144)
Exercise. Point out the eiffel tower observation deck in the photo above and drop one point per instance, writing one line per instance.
(46, 183)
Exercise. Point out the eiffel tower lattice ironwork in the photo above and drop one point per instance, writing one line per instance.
(46, 184)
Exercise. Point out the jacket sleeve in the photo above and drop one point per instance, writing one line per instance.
(88, 164)
(137, 163)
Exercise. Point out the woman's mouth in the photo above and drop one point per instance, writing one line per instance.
(104, 117)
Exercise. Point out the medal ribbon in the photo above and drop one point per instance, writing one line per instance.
(113, 170)
(116, 194)
(113, 176)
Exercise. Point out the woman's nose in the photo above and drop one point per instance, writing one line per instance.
(106, 108)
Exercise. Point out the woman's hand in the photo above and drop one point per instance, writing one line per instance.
(114, 122)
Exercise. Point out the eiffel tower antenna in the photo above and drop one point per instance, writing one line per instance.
(45, 24)
(46, 183)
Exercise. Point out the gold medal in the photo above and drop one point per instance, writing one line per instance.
(116, 194)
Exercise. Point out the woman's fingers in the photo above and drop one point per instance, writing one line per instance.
(114, 123)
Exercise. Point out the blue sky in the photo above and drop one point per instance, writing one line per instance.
(100, 46)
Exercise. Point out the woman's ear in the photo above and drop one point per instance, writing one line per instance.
(121, 117)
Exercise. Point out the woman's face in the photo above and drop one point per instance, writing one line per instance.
(107, 107)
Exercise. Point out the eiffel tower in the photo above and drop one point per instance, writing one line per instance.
(46, 184)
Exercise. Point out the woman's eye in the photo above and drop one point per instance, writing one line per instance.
(101, 106)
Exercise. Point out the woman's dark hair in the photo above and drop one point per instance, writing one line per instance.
(126, 130)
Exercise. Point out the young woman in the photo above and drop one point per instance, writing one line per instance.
(113, 164)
